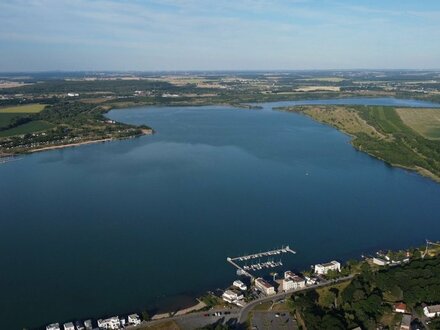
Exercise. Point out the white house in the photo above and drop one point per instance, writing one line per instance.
(264, 286)
(239, 284)
(110, 323)
(72, 94)
(380, 262)
(432, 311)
(231, 296)
(322, 269)
(53, 326)
(134, 319)
(69, 326)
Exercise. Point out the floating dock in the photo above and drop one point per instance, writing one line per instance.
(244, 270)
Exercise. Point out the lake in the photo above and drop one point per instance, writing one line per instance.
(112, 228)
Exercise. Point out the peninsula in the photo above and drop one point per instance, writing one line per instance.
(403, 137)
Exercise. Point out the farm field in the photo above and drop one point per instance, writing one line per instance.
(27, 108)
(424, 121)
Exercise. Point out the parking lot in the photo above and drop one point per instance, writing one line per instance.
(273, 320)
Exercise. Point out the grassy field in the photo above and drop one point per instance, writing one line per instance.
(326, 297)
(380, 132)
(31, 127)
(424, 121)
(27, 108)
(20, 119)
(5, 118)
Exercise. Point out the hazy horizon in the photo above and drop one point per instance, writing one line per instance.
(196, 35)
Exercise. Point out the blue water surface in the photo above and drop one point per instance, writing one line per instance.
(116, 227)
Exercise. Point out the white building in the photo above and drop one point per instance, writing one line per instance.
(134, 319)
(110, 323)
(322, 269)
(264, 286)
(287, 284)
(380, 262)
(88, 324)
(231, 296)
(310, 280)
(72, 94)
(53, 326)
(432, 311)
(69, 326)
(239, 284)
(292, 281)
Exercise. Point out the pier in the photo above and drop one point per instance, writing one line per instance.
(244, 270)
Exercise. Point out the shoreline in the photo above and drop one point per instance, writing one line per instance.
(425, 173)
(198, 308)
(70, 145)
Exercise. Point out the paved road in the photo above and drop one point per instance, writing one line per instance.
(195, 318)
(244, 313)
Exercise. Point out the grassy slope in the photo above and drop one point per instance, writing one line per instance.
(33, 126)
(380, 132)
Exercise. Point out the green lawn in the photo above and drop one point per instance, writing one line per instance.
(33, 126)
(27, 108)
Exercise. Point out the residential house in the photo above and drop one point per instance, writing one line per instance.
(134, 319)
(110, 323)
(432, 311)
(53, 326)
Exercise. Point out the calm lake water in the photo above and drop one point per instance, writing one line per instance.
(112, 228)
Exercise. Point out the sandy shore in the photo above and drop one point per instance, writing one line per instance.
(77, 144)
(194, 308)
(61, 146)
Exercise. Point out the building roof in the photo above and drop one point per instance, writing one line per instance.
(296, 278)
(264, 283)
(406, 319)
(400, 305)
(433, 308)
(289, 273)
(329, 264)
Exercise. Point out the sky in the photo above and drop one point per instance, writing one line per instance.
(155, 35)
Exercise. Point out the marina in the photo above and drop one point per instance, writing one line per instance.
(255, 266)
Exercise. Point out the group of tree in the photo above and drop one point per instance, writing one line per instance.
(371, 295)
